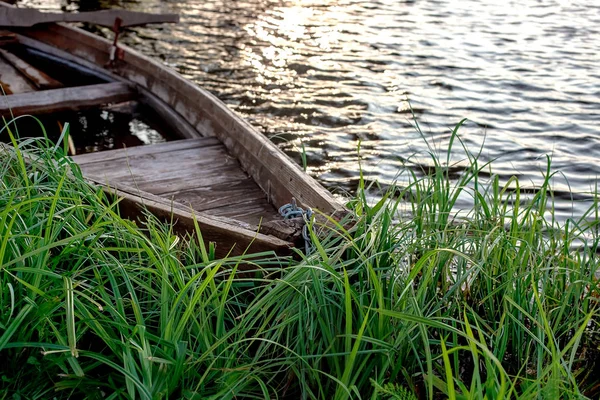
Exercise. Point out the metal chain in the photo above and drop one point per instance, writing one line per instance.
(291, 210)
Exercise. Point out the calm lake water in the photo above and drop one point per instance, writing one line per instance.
(326, 75)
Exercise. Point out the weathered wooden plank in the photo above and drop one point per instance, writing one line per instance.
(166, 201)
(146, 150)
(39, 78)
(169, 183)
(175, 164)
(12, 81)
(25, 17)
(173, 181)
(202, 197)
(203, 201)
(75, 98)
(204, 178)
(230, 238)
(251, 211)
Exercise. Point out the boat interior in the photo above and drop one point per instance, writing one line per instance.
(119, 140)
(155, 140)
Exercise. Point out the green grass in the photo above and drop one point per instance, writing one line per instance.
(497, 304)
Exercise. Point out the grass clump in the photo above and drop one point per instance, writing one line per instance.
(498, 303)
(93, 305)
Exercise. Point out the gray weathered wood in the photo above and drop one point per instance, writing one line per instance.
(195, 172)
(155, 167)
(76, 98)
(230, 238)
(39, 78)
(219, 195)
(170, 181)
(146, 150)
(233, 195)
(250, 211)
(26, 17)
(201, 176)
(12, 81)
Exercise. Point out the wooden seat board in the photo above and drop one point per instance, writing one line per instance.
(143, 150)
(157, 161)
(73, 98)
(157, 169)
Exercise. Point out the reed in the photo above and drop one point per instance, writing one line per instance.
(498, 303)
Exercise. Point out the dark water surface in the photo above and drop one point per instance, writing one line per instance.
(326, 75)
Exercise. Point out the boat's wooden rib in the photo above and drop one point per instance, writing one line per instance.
(39, 78)
(274, 172)
(75, 98)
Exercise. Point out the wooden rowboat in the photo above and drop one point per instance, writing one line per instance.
(221, 172)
